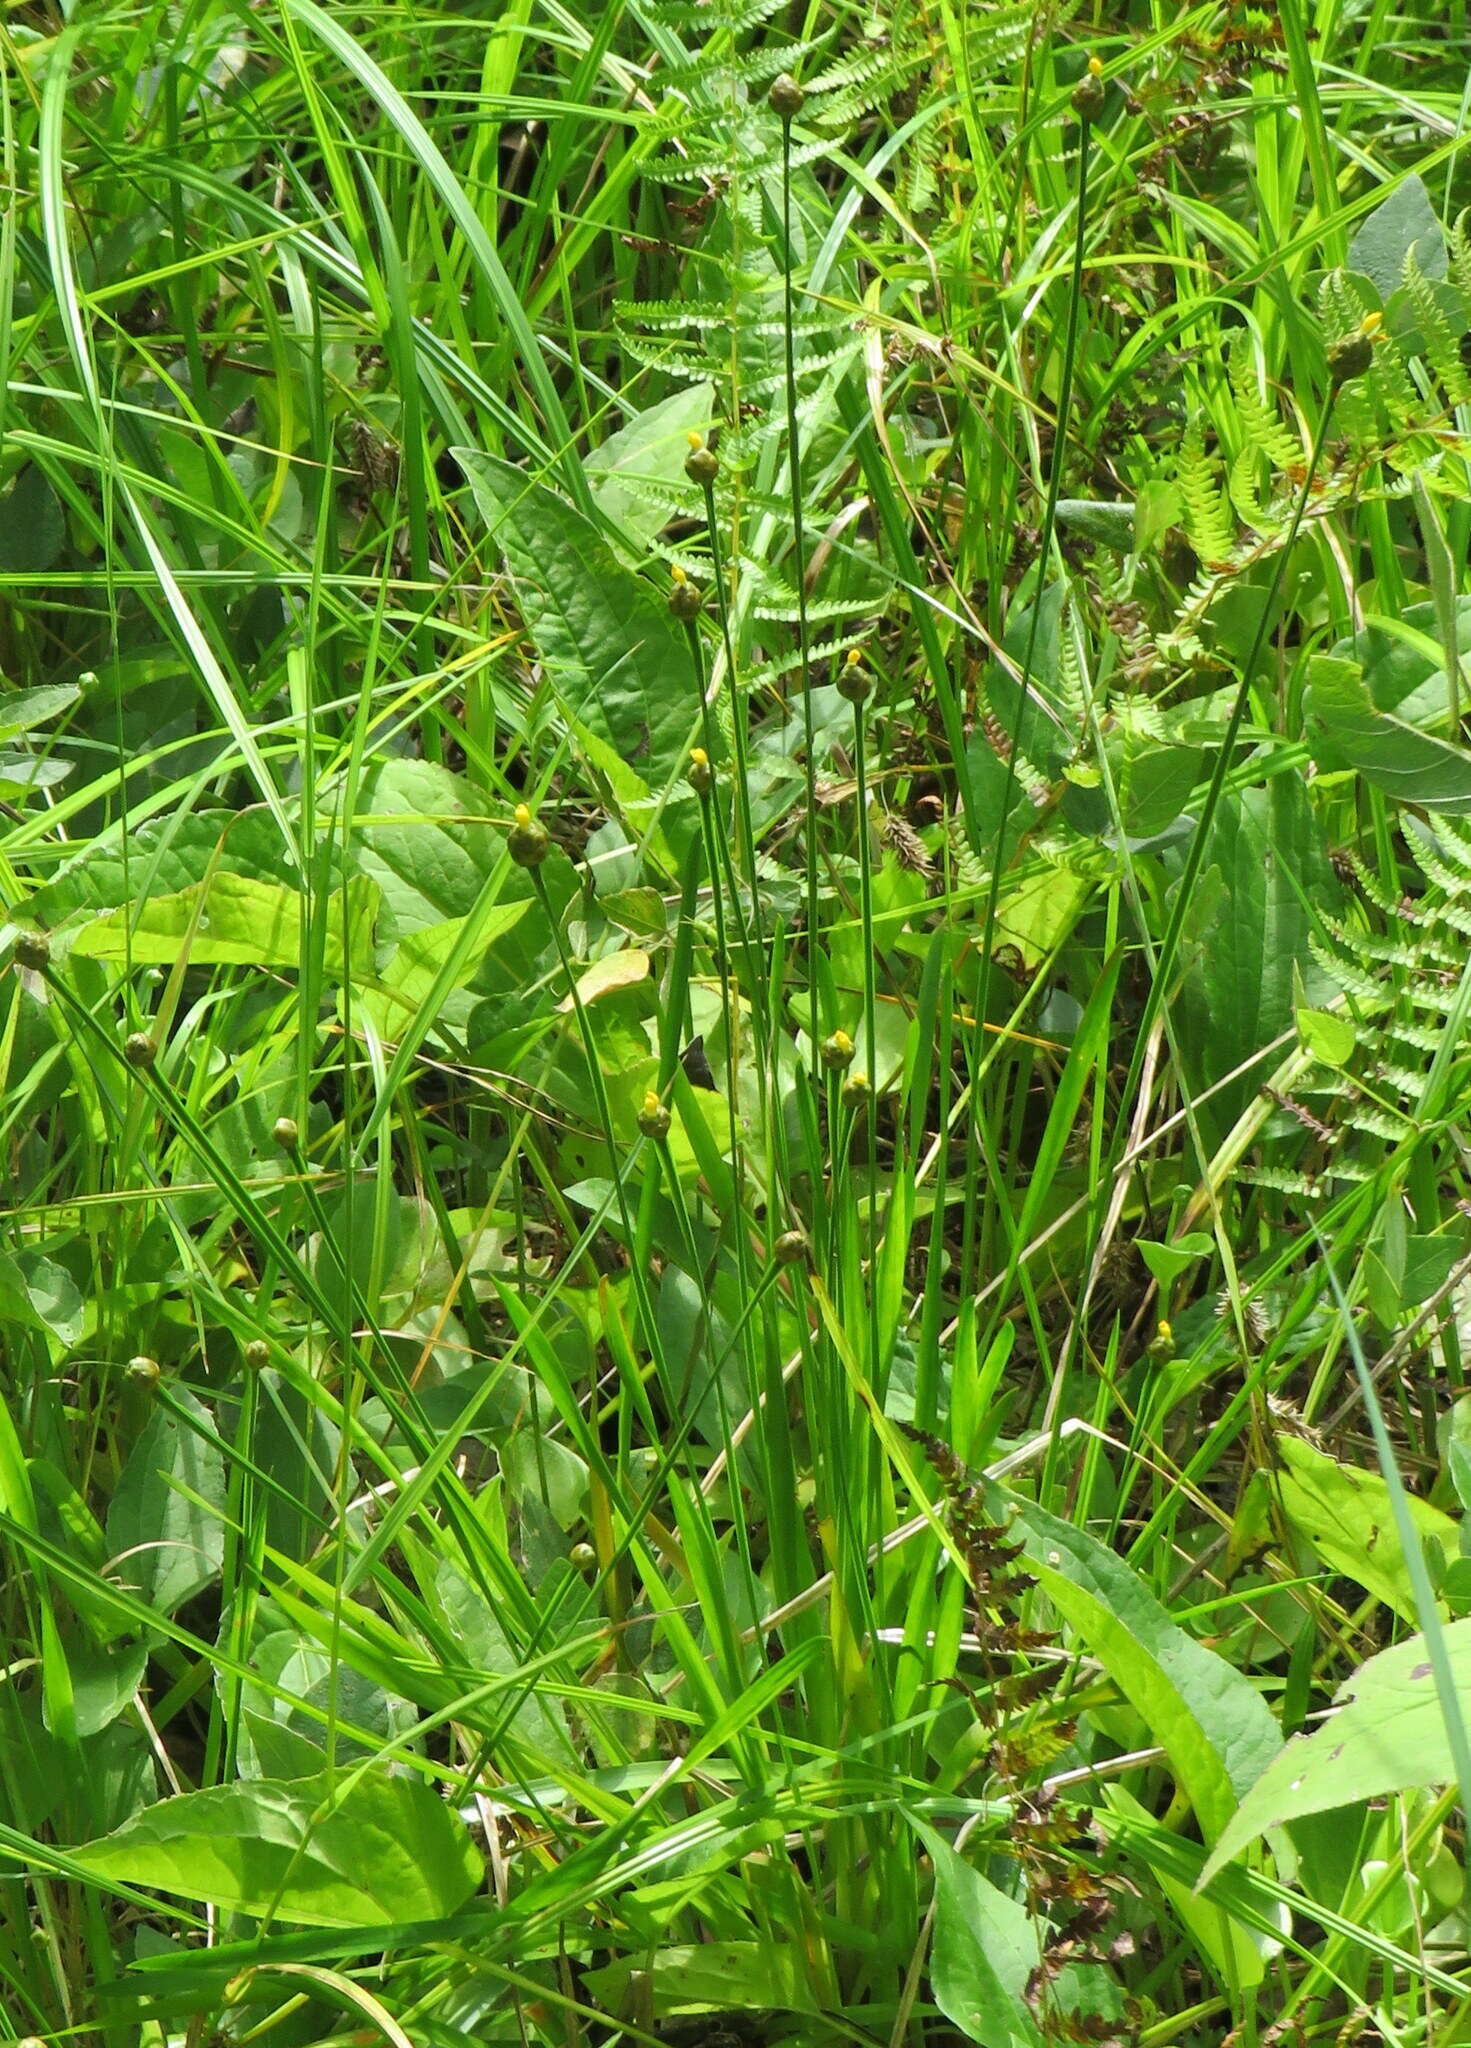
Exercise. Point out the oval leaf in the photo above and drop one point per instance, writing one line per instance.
(1347, 731)
(1208, 1717)
(363, 1852)
(624, 969)
(1388, 1735)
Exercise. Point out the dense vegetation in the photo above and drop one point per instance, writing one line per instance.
(735, 822)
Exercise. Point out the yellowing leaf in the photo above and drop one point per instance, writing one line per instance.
(1036, 916)
(625, 969)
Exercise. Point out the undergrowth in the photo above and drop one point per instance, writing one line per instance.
(732, 786)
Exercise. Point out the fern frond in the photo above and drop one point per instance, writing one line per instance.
(1209, 526)
(1283, 1181)
(1260, 425)
(1441, 348)
(1459, 241)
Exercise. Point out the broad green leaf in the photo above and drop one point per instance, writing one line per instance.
(1327, 1035)
(718, 1976)
(540, 1720)
(1154, 785)
(547, 1471)
(1168, 1261)
(105, 1681)
(1209, 1719)
(424, 835)
(166, 1525)
(1109, 523)
(29, 771)
(30, 1761)
(398, 993)
(25, 709)
(163, 856)
(984, 1952)
(1403, 661)
(280, 1750)
(1345, 730)
(1406, 220)
(636, 470)
(611, 649)
(1347, 1517)
(297, 1446)
(32, 525)
(1388, 1735)
(1252, 952)
(1036, 720)
(40, 1295)
(241, 922)
(1156, 509)
(404, 1269)
(360, 1851)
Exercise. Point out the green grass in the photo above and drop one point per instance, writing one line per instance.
(714, 1312)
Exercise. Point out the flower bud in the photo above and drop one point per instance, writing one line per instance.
(836, 1052)
(857, 1092)
(686, 599)
(284, 1133)
(582, 1557)
(1088, 94)
(785, 96)
(1352, 356)
(143, 1371)
(790, 1249)
(701, 465)
(139, 1049)
(527, 842)
(653, 1117)
(700, 775)
(257, 1354)
(854, 681)
(1162, 1347)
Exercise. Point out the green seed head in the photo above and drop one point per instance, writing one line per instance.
(527, 842)
(583, 1557)
(33, 950)
(139, 1049)
(143, 1371)
(257, 1354)
(786, 97)
(790, 1249)
(284, 1133)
